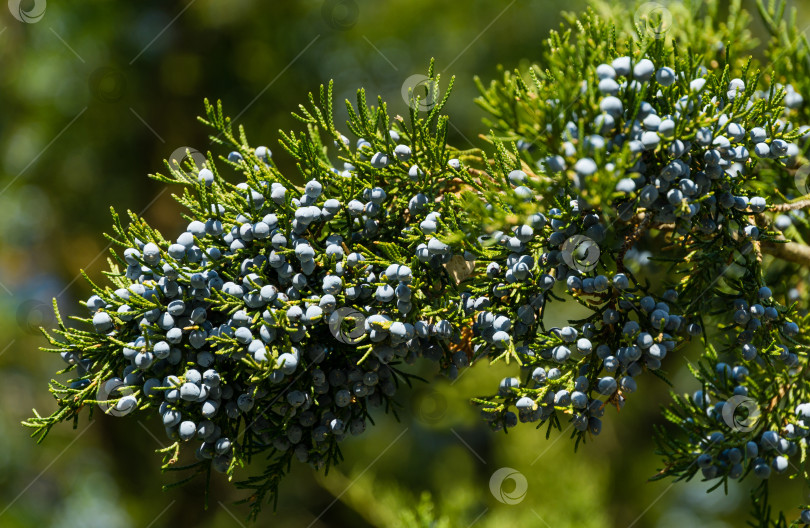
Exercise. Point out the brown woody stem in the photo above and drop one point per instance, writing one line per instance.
(801, 204)
(791, 251)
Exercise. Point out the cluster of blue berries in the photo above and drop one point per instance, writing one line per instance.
(242, 321)
(728, 438)
(686, 160)
(282, 314)
(718, 456)
(680, 167)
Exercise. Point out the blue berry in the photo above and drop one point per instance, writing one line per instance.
(665, 76)
(402, 152)
(622, 66)
(790, 329)
(643, 70)
(612, 105)
(605, 71)
(313, 188)
(379, 160)
(287, 362)
(606, 386)
(102, 322)
(621, 281)
(697, 85)
(525, 404)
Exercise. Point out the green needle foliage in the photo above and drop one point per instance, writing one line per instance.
(651, 172)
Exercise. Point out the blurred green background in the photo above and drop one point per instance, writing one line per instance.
(95, 94)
